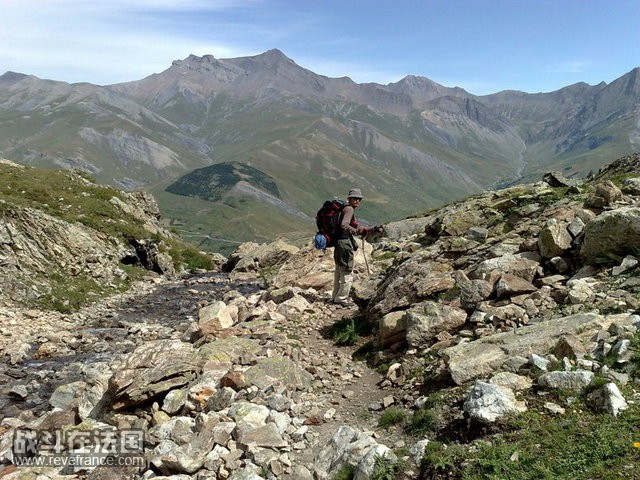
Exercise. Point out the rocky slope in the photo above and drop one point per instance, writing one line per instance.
(510, 312)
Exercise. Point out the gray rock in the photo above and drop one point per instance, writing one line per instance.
(554, 239)
(612, 234)
(472, 292)
(174, 401)
(478, 234)
(278, 371)
(575, 381)
(425, 320)
(487, 403)
(509, 285)
(481, 357)
(517, 265)
(266, 436)
(221, 399)
(151, 370)
(392, 328)
(631, 186)
(608, 399)
(366, 466)
(413, 281)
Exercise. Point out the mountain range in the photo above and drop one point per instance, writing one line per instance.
(246, 148)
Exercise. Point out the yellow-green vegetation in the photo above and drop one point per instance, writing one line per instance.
(72, 196)
(346, 472)
(189, 256)
(392, 416)
(580, 444)
(69, 196)
(347, 331)
(386, 469)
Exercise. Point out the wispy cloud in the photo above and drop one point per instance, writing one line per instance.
(569, 66)
(107, 42)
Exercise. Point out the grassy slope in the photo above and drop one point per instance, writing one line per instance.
(70, 197)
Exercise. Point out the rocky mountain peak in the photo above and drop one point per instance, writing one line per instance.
(9, 78)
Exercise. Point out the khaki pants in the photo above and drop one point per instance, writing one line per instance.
(342, 277)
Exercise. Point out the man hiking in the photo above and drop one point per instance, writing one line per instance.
(345, 248)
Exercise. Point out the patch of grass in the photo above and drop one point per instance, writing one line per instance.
(68, 294)
(391, 416)
(190, 256)
(634, 346)
(578, 445)
(75, 198)
(348, 330)
(346, 472)
(440, 459)
(386, 469)
(70, 197)
(422, 421)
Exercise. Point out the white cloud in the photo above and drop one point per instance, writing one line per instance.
(570, 66)
(105, 42)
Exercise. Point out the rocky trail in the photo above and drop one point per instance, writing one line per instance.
(497, 337)
(56, 356)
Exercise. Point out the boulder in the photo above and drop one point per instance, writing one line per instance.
(554, 239)
(216, 316)
(487, 402)
(152, 369)
(481, 357)
(426, 320)
(575, 381)
(278, 371)
(608, 399)
(611, 236)
(514, 264)
(412, 281)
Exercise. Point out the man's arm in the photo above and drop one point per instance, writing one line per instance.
(345, 224)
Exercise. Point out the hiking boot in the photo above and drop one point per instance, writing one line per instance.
(344, 303)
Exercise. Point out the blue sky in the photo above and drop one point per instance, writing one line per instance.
(483, 46)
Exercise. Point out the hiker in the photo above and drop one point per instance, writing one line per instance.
(345, 248)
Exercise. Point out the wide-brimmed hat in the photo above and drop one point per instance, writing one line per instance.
(354, 193)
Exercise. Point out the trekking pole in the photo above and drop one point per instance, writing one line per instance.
(364, 253)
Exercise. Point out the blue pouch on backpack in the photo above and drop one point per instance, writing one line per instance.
(320, 241)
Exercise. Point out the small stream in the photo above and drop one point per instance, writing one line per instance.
(109, 334)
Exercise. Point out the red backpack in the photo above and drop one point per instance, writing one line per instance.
(328, 223)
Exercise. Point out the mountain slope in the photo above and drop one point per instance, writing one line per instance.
(409, 145)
